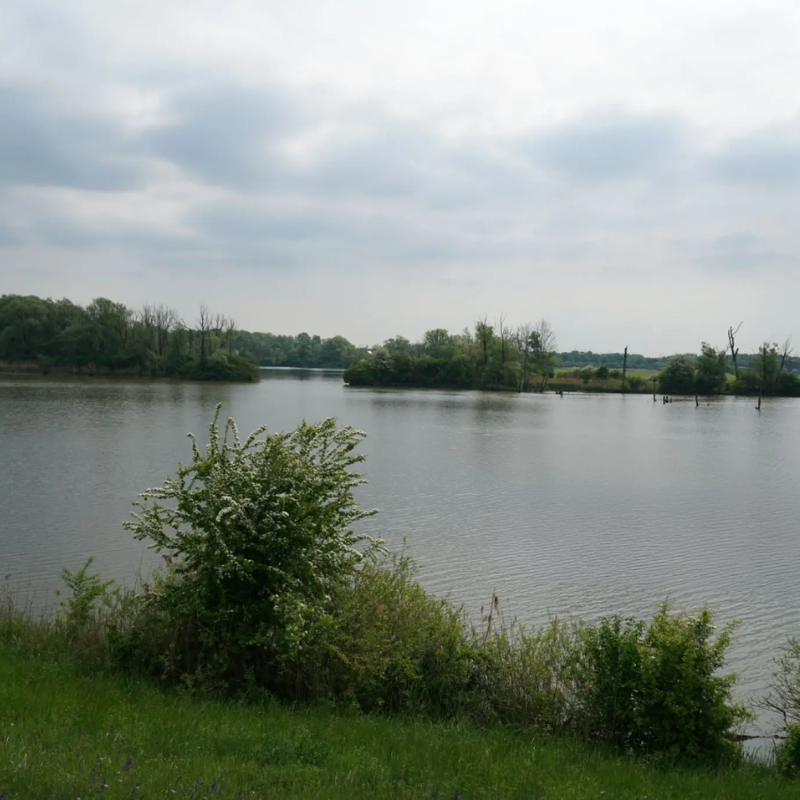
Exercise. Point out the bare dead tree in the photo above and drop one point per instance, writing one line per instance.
(483, 334)
(204, 329)
(503, 333)
(165, 320)
(543, 346)
(547, 337)
(147, 321)
(624, 367)
(230, 333)
(523, 336)
(733, 348)
(786, 351)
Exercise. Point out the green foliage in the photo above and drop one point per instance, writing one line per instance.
(635, 383)
(710, 370)
(612, 680)
(748, 382)
(784, 693)
(393, 646)
(109, 337)
(656, 689)
(259, 533)
(528, 678)
(485, 359)
(678, 376)
(787, 755)
(78, 610)
(303, 350)
(222, 366)
(360, 374)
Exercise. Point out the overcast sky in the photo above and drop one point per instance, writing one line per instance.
(630, 171)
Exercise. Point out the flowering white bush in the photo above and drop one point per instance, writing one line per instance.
(258, 533)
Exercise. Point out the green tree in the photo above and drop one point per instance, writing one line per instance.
(304, 352)
(398, 344)
(437, 342)
(484, 336)
(769, 364)
(336, 352)
(544, 358)
(23, 327)
(678, 376)
(710, 370)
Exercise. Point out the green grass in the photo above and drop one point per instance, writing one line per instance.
(67, 735)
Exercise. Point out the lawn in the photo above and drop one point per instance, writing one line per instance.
(67, 735)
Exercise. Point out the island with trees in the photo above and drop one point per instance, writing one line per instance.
(525, 358)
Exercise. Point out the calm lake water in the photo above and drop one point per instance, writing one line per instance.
(589, 505)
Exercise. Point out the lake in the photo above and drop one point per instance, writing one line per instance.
(586, 505)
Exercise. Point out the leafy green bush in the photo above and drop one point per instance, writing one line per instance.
(529, 678)
(635, 383)
(394, 646)
(359, 374)
(259, 536)
(81, 607)
(612, 680)
(221, 366)
(655, 689)
(678, 376)
(787, 756)
(784, 693)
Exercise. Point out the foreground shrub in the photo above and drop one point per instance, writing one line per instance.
(258, 537)
(655, 689)
(528, 677)
(787, 755)
(394, 646)
(784, 694)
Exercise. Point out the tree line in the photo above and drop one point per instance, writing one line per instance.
(105, 336)
(303, 350)
(769, 371)
(524, 358)
(487, 356)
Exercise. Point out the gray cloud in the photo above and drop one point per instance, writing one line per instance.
(264, 237)
(41, 146)
(8, 236)
(609, 150)
(225, 134)
(768, 160)
(738, 252)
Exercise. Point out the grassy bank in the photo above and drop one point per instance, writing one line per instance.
(67, 735)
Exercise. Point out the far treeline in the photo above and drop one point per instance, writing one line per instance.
(105, 337)
(525, 359)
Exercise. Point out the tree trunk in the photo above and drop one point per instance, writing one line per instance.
(624, 368)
